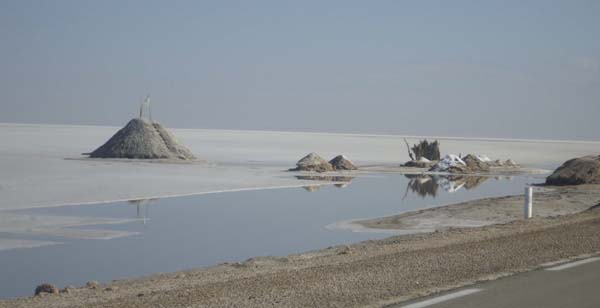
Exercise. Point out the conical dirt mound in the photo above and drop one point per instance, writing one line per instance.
(143, 139)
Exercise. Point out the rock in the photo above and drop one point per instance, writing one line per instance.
(576, 171)
(498, 163)
(111, 288)
(92, 284)
(475, 164)
(510, 163)
(143, 139)
(344, 250)
(67, 289)
(341, 162)
(313, 162)
(46, 288)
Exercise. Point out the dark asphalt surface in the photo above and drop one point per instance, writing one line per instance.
(577, 286)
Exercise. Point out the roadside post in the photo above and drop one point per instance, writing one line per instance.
(528, 202)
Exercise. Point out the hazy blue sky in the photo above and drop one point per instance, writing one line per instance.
(526, 69)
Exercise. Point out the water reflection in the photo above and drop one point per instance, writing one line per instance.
(427, 185)
(143, 208)
(202, 230)
(343, 181)
(312, 188)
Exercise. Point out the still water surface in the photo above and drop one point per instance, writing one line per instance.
(164, 235)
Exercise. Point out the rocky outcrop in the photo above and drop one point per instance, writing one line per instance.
(582, 170)
(143, 139)
(341, 162)
(313, 162)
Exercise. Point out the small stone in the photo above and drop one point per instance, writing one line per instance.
(111, 288)
(92, 284)
(46, 288)
(345, 250)
(67, 289)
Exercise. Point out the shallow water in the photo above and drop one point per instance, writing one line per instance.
(129, 239)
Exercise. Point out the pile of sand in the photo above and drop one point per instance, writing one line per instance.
(143, 139)
(342, 162)
(313, 162)
(475, 164)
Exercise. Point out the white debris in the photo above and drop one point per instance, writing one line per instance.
(483, 158)
(450, 160)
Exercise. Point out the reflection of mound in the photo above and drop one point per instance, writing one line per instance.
(427, 185)
(474, 181)
(423, 185)
(343, 181)
(312, 188)
(325, 178)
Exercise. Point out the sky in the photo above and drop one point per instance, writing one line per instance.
(507, 69)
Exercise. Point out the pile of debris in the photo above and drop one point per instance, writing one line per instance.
(314, 162)
(576, 171)
(450, 163)
(470, 164)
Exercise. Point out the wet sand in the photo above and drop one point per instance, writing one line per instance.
(367, 274)
(548, 202)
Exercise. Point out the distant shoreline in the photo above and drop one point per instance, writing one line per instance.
(350, 134)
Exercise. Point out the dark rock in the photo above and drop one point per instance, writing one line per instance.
(313, 162)
(582, 170)
(92, 284)
(46, 288)
(341, 162)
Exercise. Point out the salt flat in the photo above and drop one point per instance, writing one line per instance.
(40, 165)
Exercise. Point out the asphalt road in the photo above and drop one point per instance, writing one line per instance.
(570, 285)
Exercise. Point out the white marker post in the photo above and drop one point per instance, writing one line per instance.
(528, 202)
